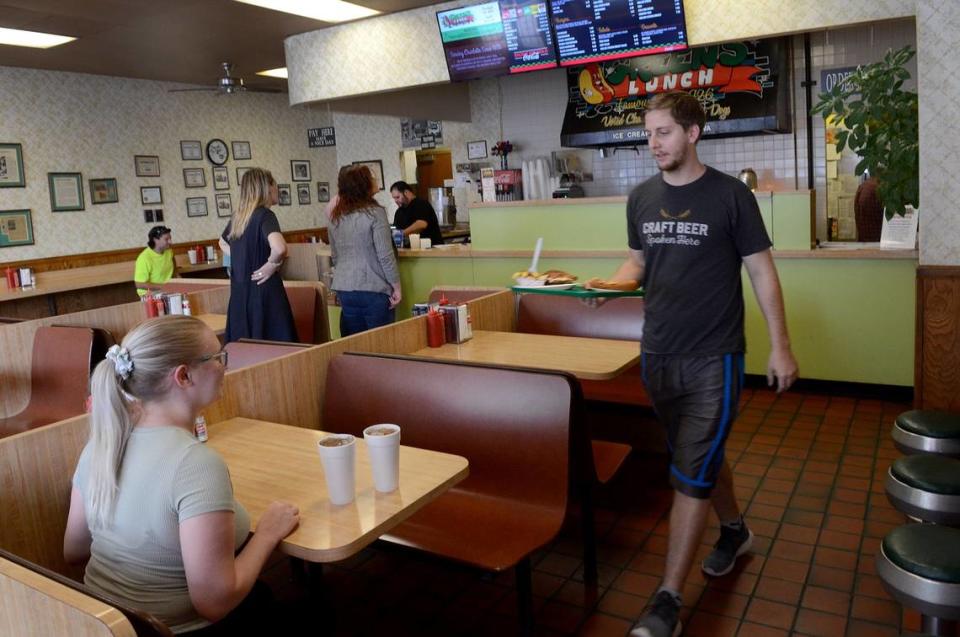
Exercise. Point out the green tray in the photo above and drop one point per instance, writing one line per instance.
(576, 291)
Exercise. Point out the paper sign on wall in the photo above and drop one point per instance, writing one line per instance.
(900, 233)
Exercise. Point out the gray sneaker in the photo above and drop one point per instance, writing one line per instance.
(660, 619)
(731, 545)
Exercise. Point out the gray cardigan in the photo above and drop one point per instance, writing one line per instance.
(362, 249)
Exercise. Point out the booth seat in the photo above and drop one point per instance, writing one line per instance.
(59, 378)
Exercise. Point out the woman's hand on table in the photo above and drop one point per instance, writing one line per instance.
(266, 271)
(279, 520)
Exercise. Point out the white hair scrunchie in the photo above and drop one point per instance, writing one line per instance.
(122, 362)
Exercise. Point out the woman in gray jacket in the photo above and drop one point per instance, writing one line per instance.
(365, 278)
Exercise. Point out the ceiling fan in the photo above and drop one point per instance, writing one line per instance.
(228, 84)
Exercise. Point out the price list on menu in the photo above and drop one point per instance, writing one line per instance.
(595, 30)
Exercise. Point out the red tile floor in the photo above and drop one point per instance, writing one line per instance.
(809, 471)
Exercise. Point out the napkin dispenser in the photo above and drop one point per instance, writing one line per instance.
(456, 321)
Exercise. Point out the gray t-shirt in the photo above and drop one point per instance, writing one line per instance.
(166, 477)
(694, 238)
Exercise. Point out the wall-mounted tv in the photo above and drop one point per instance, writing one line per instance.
(497, 38)
(598, 30)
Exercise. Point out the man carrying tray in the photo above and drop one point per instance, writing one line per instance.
(689, 230)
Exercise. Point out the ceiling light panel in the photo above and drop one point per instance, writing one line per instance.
(324, 10)
(16, 37)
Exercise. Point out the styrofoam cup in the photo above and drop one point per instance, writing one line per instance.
(192, 256)
(414, 242)
(339, 467)
(384, 449)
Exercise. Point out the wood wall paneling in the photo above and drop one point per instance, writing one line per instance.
(937, 366)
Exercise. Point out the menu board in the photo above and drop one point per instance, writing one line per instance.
(497, 38)
(597, 30)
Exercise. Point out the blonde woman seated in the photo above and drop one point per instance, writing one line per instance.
(152, 509)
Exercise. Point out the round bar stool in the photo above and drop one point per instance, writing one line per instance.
(927, 431)
(919, 565)
(926, 487)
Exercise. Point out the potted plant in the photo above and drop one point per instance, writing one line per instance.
(882, 128)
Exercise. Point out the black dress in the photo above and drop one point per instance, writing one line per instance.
(256, 311)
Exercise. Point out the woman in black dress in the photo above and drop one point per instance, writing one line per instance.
(258, 303)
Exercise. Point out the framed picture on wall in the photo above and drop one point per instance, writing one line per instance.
(241, 150)
(150, 195)
(103, 191)
(11, 166)
(283, 194)
(66, 191)
(303, 194)
(148, 216)
(323, 191)
(16, 228)
(477, 149)
(300, 169)
(147, 165)
(196, 206)
(194, 178)
(191, 150)
(224, 204)
(221, 178)
(376, 167)
(158, 215)
(241, 171)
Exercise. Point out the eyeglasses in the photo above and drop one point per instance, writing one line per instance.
(220, 356)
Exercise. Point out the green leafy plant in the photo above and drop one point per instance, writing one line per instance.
(882, 127)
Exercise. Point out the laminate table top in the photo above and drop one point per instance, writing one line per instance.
(269, 462)
(585, 358)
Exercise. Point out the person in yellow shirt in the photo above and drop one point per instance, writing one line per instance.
(155, 265)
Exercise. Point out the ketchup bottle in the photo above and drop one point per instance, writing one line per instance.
(11, 278)
(435, 329)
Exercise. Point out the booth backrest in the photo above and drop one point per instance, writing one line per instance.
(36, 469)
(189, 286)
(31, 604)
(247, 352)
(512, 425)
(144, 624)
(309, 313)
(457, 295)
(618, 319)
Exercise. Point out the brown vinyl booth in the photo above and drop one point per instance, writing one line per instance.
(456, 294)
(59, 378)
(247, 352)
(618, 319)
(516, 427)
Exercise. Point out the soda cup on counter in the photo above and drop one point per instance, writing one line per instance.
(200, 428)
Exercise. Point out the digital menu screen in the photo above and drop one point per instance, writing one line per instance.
(497, 38)
(597, 30)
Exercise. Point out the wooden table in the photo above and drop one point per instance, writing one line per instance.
(216, 322)
(270, 462)
(585, 358)
(73, 290)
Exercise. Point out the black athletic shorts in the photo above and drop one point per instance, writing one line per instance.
(696, 400)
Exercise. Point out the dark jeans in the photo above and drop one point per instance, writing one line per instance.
(362, 311)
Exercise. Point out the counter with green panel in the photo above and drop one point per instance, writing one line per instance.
(850, 313)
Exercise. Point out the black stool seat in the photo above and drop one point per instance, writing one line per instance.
(936, 474)
(919, 565)
(926, 487)
(926, 550)
(928, 431)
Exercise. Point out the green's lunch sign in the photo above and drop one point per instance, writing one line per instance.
(743, 87)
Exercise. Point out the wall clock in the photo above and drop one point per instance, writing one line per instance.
(217, 151)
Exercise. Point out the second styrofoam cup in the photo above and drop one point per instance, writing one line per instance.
(383, 443)
(338, 454)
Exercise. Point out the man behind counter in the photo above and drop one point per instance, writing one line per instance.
(414, 215)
